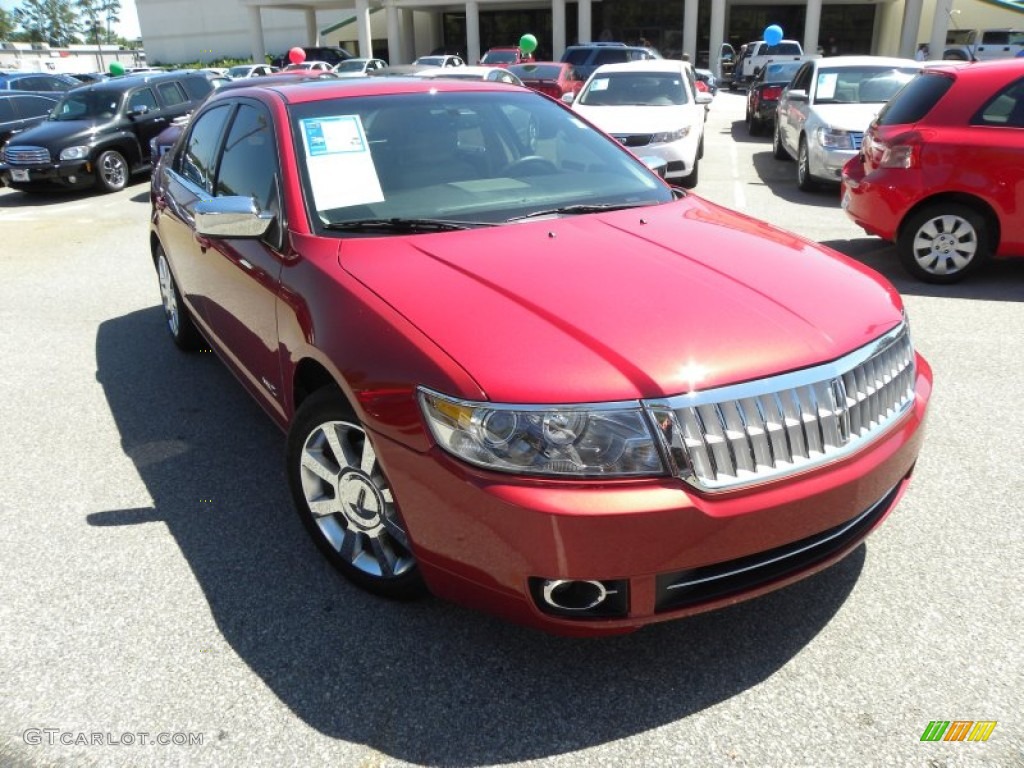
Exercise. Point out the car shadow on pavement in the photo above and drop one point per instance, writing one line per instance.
(425, 682)
(780, 177)
(999, 280)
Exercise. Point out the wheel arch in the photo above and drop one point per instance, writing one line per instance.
(961, 198)
(310, 376)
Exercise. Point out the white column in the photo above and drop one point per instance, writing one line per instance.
(408, 25)
(690, 31)
(557, 29)
(472, 32)
(259, 47)
(363, 28)
(312, 32)
(716, 36)
(940, 26)
(812, 27)
(911, 24)
(394, 35)
(583, 25)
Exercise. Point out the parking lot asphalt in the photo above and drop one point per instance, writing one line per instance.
(157, 586)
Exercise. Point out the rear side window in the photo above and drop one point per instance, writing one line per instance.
(1005, 109)
(782, 49)
(197, 88)
(171, 94)
(915, 100)
(576, 56)
(611, 56)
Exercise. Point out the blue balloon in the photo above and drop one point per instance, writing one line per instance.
(773, 34)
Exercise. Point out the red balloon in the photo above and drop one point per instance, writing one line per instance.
(296, 55)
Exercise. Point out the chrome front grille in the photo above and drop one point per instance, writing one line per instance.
(762, 430)
(26, 155)
(856, 137)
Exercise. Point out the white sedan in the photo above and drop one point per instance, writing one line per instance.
(823, 112)
(359, 67)
(653, 107)
(490, 74)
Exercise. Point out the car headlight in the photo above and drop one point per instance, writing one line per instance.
(74, 153)
(593, 440)
(668, 136)
(835, 139)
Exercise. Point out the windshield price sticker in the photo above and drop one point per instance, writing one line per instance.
(341, 168)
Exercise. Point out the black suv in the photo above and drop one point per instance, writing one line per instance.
(586, 58)
(332, 54)
(99, 133)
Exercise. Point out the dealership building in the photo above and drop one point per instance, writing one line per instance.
(181, 31)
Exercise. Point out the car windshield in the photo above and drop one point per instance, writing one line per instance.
(351, 65)
(463, 158)
(433, 61)
(87, 104)
(499, 57)
(239, 71)
(537, 71)
(647, 89)
(781, 73)
(860, 85)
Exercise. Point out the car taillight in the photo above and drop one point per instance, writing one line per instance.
(772, 92)
(902, 155)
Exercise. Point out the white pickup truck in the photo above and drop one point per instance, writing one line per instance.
(983, 45)
(758, 53)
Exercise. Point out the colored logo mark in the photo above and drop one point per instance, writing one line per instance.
(958, 730)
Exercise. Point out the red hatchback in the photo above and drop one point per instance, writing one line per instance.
(941, 170)
(519, 370)
(554, 78)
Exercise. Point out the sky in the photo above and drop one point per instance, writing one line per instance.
(128, 26)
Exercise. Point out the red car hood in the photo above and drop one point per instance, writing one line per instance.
(631, 304)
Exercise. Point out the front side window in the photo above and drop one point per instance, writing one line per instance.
(196, 161)
(142, 99)
(476, 157)
(248, 164)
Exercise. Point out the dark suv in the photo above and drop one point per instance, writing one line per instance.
(586, 58)
(332, 54)
(99, 133)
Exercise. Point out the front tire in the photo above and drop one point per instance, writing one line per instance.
(944, 243)
(345, 501)
(690, 181)
(112, 171)
(804, 179)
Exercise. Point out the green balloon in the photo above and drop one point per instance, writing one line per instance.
(116, 68)
(527, 43)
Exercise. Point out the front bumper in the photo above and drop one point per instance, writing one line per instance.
(72, 174)
(827, 164)
(487, 540)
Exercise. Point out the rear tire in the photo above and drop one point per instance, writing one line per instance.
(778, 151)
(944, 243)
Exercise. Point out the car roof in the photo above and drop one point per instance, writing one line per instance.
(480, 71)
(841, 62)
(319, 90)
(647, 65)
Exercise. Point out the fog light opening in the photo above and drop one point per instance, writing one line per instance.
(73, 179)
(574, 594)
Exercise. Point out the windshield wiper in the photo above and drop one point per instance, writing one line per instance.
(396, 224)
(575, 210)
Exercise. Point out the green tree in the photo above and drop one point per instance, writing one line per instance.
(48, 21)
(97, 17)
(7, 24)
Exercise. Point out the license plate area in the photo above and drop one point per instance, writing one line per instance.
(19, 174)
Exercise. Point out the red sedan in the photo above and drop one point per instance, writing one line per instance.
(517, 369)
(555, 78)
(941, 170)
